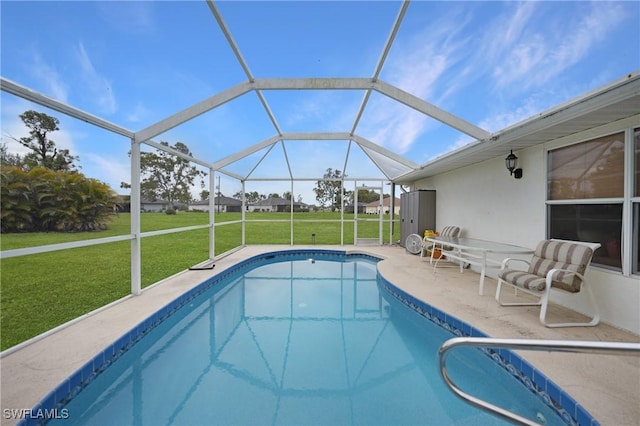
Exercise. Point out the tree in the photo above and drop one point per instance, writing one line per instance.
(273, 195)
(250, 197)
(328, 190)
(368, 196)
(8, 159)
(168, 177)
(44, 152)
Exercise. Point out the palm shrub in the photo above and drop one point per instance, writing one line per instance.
(42, 199)
(15, 203)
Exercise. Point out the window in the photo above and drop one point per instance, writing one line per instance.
(635, 239)
(636, 157)
(600, 223)
(593, 169)
(585, 193)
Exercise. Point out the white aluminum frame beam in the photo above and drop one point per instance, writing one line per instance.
(386, 89)
(270, 148)
(346, 159)
(326, 136)
(313, 179)
(230, 174)
(192, 112)
(432, 111)
(243, 63)
(136, 229)
(383, 151)
(286, 159)
(379, 65)
(6, 254)
(40, 99)
(176, 153)
(227, 35)
(311, 84)
(244, 153)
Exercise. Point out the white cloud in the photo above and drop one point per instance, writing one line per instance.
(111, 169)
(517, 22)
(525, 50)
(422, 66)
(498, 122)
(128, 16)
(522, 64)
(395, 125)
(99, 87)
(578, 41)
(139, 113)
(49, 76)
(308, 109)
(402, 127)
(12, 126)
(325, 110)
(536, 49)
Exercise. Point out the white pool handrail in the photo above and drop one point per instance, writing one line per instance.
(588, 347)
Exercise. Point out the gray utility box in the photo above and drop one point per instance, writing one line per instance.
(417, 213)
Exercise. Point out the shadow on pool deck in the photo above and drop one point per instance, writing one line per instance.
(608, 386)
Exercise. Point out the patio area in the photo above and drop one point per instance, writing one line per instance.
(608, 386)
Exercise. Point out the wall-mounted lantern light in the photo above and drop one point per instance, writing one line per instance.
(512, 162)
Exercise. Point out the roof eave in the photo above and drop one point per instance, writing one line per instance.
(613, 102)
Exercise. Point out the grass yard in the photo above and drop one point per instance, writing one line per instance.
(39, 292)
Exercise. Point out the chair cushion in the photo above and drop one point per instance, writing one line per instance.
(550, 254)
(450, 231)
(523, 279)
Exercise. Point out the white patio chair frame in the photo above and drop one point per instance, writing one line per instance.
(543, 295)
(447, 231)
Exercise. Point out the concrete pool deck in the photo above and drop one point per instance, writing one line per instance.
(608, 386)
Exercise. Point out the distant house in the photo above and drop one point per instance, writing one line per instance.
(374, 207)
(277, 204)
(154, 206)
(221, 204)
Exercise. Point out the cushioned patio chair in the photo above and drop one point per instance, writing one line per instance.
(558, 265)
(447, 231)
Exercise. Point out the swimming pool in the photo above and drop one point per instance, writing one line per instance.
(293, 337)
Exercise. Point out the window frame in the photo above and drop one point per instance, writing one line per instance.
(633, 166)
(587, 202)
(630, 242)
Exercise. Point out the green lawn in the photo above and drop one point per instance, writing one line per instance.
(42, 291)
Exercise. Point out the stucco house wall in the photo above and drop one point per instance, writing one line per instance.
(487, 203)
(274, 204)
(153, 206)
(374, 207)
(227, 205)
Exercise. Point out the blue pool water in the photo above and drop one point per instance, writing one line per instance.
(296, 342)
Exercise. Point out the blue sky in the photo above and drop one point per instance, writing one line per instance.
(134, 63)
